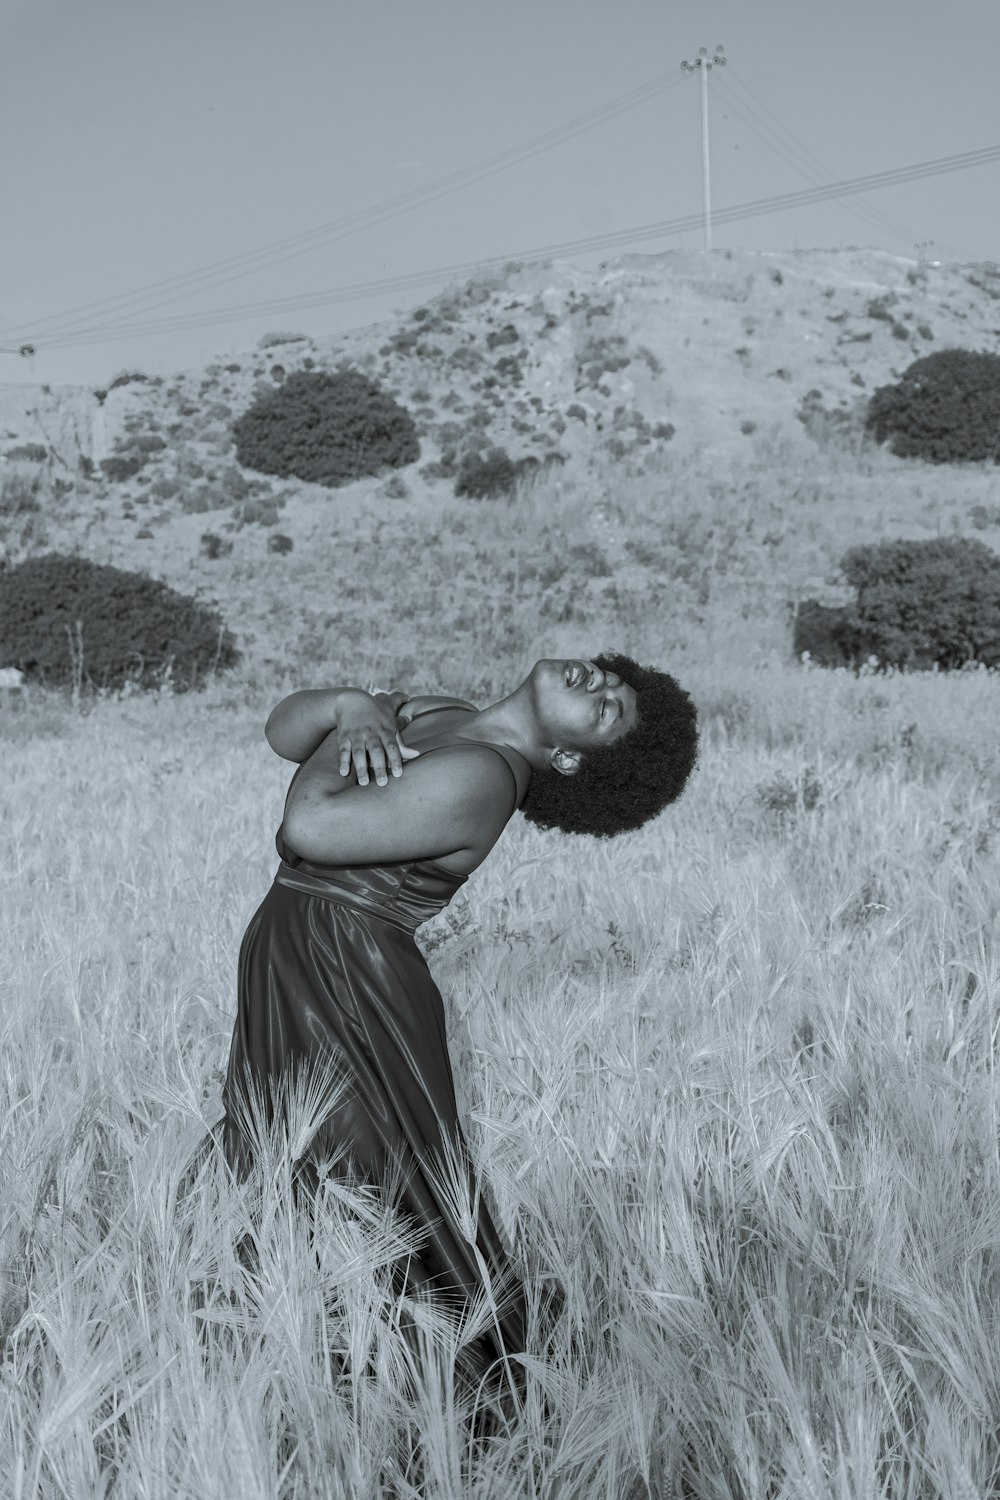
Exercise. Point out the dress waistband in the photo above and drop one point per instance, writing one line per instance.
(311, 885)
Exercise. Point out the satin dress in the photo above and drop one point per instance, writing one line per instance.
(329, 968)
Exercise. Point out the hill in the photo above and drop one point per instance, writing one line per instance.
(736, 374)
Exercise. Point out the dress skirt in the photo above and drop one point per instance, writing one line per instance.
(329, 973)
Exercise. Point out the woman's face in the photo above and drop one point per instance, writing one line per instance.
(579, 705)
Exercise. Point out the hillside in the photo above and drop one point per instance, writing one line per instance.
(679, 370)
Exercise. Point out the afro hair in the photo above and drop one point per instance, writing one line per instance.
(620, 787)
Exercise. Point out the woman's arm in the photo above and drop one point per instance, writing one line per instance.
(456, 799)
(299, 724)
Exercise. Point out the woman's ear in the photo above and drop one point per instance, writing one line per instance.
(566, 762)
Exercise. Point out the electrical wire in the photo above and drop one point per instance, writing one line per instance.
(889, 224)
(809, 164)
(361, 290)
(278, 252)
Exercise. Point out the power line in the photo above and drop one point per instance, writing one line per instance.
(361, 290)
(188, 283)
(820, 173)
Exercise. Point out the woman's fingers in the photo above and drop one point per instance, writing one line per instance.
(386, 754)
(391, 753)
(361, 764)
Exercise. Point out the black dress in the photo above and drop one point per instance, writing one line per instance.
(328, 968)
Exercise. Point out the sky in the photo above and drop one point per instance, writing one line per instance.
(142, 141)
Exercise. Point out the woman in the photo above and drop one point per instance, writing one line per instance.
(328, 966)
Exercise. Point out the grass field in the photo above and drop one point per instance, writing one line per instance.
(730, 1079)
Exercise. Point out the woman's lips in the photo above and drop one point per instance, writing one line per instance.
(582, 674)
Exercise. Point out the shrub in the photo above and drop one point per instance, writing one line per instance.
(235, 485)
(270, 340)
(132, 628)
(917, 603)
(195, 502)
(127, 377)
(508, 334)
(164, 489)
(131, 456)
(214, 546)
(326, 429)
(487, 477)
(815, 631)
(35, 453)
(19, 492)
(279, 542)
(122, 466)
(263, 512)
(944, 409)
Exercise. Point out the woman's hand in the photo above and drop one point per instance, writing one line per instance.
(395, 700)
(366, 730)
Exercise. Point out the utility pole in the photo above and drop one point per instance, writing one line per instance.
(704, 62)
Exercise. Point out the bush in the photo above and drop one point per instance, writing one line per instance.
(132, 456)
(122, 466)
(262, 512)
(35, 453)
(164, 489)
(944, 409)
(815, 631)
(126, 378)
(132, 627)
(196, 501)
(19, 492)
(508, 334)
(495, 473)
(326, 429)
(917, 603)
(235, 486)
(279, 542)
(270, 340)
(214, 546)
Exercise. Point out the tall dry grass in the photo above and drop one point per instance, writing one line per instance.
(730, 1080)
